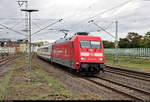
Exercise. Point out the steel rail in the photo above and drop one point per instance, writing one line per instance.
(128, 75)
(137, 73)
(124, 85)
(8, 59)
(100, 84)
(114, 89)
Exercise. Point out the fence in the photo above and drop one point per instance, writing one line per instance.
(133, 52)
(9, 50)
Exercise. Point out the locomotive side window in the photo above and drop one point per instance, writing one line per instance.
(90, 44)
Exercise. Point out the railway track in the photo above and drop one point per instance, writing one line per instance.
(4, 66)
(6, 60)
(129, 73)
(124, 89)
(132, 92)
(74, 75)
(121, 88)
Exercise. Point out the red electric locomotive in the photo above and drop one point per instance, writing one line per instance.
(81, 52)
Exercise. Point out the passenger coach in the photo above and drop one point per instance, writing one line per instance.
(44, 52)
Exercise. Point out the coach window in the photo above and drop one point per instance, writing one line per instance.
(72, 45)
(45, 49)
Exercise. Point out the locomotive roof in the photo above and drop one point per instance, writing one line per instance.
(63, 40)
(70, 38)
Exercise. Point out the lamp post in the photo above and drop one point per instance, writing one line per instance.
(30, 55)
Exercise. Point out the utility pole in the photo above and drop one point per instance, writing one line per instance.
(116, 43)
(115, 37)
(30, 54)
(21, 2)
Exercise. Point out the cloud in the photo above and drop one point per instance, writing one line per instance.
(132, 16)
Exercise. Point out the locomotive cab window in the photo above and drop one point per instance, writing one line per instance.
(95, 44)
(85, 44)
(90, 44)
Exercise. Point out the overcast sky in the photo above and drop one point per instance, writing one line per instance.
(132, 16)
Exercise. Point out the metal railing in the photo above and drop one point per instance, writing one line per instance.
(131, 52)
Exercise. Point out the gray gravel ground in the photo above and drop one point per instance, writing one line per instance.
(77, 86)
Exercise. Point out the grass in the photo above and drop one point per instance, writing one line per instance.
(12, 88)
(22, 84)
(41, 86)
(129, 62)
(5, 81)
(32, 87)
(56, 86)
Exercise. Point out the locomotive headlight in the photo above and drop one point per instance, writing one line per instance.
(83, 58)
(98, 54)
(100, 59)
(84, 54)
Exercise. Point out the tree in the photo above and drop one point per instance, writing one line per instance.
(145, 42)
(108, 44)
(147, 34)
(134, 39)
(124, 43)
